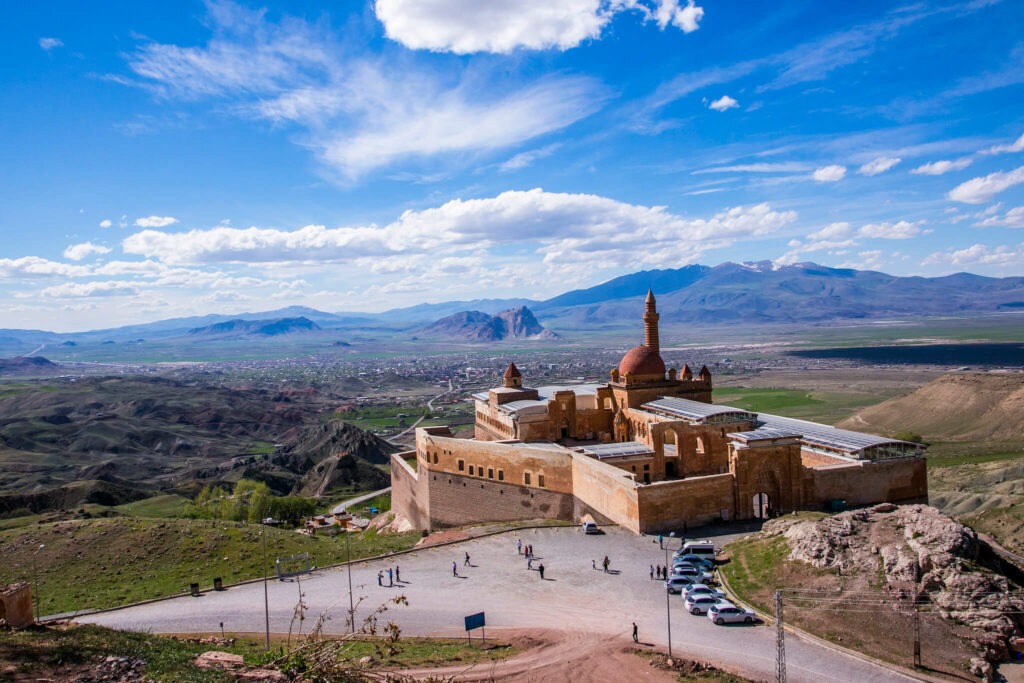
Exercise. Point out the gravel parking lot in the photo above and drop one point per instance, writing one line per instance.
(573, 597)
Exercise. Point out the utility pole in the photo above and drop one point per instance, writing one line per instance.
(266, 600)
(668, 606)
(35, 580)
(780, 640)
(917, 635)
(351, 606)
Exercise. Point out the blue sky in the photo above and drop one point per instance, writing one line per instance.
(169, 159)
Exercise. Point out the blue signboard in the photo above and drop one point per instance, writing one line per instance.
(475, 621)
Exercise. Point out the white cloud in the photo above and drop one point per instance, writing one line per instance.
(879, 165)
(77, 252)
(556, 224)
(155, 221)
(524, 159)
(1016, 146)
(940, 167)
(78, 290)
(106, 223)
(34, 266)
(779, 167)
(981, 190)
(831, 231)
(979, 255)
(722, 103)
(50, 43)
(902, 230)
(829, 174)
(503, 26)
(1014, 218)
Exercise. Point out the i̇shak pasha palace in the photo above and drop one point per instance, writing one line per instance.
(647, 450)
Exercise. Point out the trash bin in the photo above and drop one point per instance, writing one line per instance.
(218, 585)
(194, 587)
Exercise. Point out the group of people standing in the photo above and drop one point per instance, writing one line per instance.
(527, 550)
(659, 571)
(394, 576)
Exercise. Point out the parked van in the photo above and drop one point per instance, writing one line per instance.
(699, 548)
(589, 526)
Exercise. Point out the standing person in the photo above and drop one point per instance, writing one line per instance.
(540, 568)
(455, 569)
(380, 578)
(652, 573)
(661, 541)
(636, 638)
(529, 562)
(398, 579)
(391, 576)
(466, 563)
(519, 546)
(605, 563)
(593, 564)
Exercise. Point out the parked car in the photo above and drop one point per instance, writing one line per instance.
(676, 584)
(699, 604)
(702, 589)
(590, 528)
(698, 560)
(690, 570)
(728, 613)
(702, 548)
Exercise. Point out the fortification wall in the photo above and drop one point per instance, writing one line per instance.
(697, 500)
(460, 500)
(408, 497)
(600, 486)
(548, 468)
(902, 480)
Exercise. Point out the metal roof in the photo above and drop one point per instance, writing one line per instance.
(516, 406)
(766, 434)
(617, 450)
(695, 410)
(827, 437)
(549, 390)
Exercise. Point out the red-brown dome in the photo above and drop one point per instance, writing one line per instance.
(642, 360)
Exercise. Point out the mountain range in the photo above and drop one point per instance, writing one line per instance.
(730, 293)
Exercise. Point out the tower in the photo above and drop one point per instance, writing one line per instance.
(651, 324)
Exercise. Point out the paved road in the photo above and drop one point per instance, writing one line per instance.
(414, 425)
(343, 505)
(573, 597)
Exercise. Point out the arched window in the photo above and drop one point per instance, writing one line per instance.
(700, 445)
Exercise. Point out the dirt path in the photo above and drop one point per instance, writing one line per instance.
(558, 656)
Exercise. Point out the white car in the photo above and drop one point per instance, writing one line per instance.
(728, 613)
(703, 589)
(701, 603)
(687, 570)
(696, 560)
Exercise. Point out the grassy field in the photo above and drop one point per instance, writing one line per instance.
(97, 563)
(62, 653)
(821, 406)
(171, 505)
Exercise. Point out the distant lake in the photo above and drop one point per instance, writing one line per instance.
(957, 355)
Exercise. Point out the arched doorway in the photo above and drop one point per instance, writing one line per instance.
(762, 505)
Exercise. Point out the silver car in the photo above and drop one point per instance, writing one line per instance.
(676, 584)
(728, 613)
(700, 603)
(703, 589)
(693, 572)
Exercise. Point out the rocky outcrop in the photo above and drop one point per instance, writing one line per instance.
(515, 323)
(923, 555)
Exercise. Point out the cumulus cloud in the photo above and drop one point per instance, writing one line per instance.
(503, 26)
(1014, 218)
(981, 190)
(901, 230)
(829, 174)
(77, 252)
(831, 231)
(879, 165)
(722, 103)
(556, 224)
(50, 43)
(1016, 146)
(106, 223)
(940, 167)
(34, 266)
(155, 221)
(81, 290)
(979, 255)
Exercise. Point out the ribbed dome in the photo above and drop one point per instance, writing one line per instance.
(642, 360)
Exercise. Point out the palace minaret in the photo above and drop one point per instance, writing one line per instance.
(651, 324)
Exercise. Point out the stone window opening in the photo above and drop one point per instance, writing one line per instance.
(540, 480)
(490, 473)
(435, 458)
(471, 470)
(462, 465)
(501, 475)
(700, 445)
(526, 478)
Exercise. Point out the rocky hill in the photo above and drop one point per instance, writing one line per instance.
(514, 323)
(922, 556)
(256, 328)
(959, 406)
(27, 366)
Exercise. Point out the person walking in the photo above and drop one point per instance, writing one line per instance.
(529, 562)
(606, 563)
(466, 563)
(455, 568)
(519, 546)
(652, 573)
(661, 541)
(540, 568)
(398, 579)
(636, 637)
(593, 564)
(391, 576)
(380, 578)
